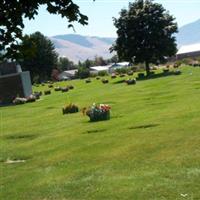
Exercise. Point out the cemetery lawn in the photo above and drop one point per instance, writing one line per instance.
(148, 150)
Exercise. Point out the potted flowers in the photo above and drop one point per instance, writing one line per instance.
(98, 112)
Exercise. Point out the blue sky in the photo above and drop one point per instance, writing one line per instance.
(100, 15)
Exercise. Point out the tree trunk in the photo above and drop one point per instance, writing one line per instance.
(147, 68)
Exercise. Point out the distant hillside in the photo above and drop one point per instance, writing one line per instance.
(78, 47)
(189, 34)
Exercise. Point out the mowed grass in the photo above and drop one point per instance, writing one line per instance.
(149, 150)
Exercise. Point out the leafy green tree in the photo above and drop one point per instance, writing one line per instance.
(65, 64)
(38, 56)
(12, 13)
(99, 61)
(145, 33)
(83, 72)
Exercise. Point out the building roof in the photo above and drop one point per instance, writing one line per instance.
(100, 68)
(189, 49)
(123, 64)
(68, 74)
(71, 72)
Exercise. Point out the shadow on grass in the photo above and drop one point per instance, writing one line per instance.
(50, 107)
(160, 75)
(95, 131)
(144, 126)
(18, 137)
(7, 104)
(119, 81)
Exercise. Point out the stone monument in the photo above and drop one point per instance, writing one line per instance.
(13, 82)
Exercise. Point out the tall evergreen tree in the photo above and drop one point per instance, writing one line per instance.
(38, 56)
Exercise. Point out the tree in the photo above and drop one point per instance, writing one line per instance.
(99, 61)
(145, 33)
(38, 56)
(83, 72)
(13, 12)
(65, 64)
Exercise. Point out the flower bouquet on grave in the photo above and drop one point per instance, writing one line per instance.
(98, 112)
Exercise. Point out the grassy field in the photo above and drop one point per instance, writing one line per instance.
(149, 150)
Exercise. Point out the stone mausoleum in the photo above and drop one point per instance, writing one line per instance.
(13, 82)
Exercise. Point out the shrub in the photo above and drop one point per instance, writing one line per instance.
(123, 70)
(19, 100)
(134, 69)
(47, 92)
(83, 72)
(71, 108)
(103, 73)
(131, 81)
(104, 81)
(97, 78)
(98, 112)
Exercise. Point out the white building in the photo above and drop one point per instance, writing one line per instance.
(118, 65)
(109, 68)
(67, 75)
(97, 69)
(188, 51)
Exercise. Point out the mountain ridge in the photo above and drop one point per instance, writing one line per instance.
(78, 47)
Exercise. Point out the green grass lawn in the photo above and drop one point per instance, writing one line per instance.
(148, 150)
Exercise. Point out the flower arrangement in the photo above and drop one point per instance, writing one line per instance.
(47, 92)
(31, 98)
(141, 75)
(122, 75)
(131, 81)
(88, 80)
(71, 108)
(64, 89)
(165, 70)
(113, 75)
(130, 73)
(19, 100)
(50, 86)
(70, 87)
(104, 81)
(177, 72)
(57, 88)
(37, 94)
(98, 112)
